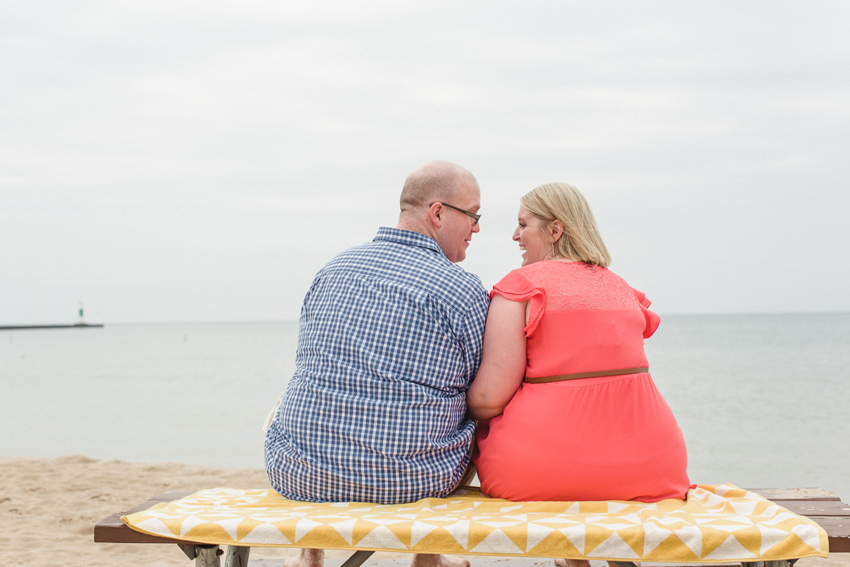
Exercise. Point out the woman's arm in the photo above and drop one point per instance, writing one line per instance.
(502, 359)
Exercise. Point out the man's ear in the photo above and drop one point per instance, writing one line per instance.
(557, 230)
(435, 214)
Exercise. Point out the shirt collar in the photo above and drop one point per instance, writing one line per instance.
(407, 238)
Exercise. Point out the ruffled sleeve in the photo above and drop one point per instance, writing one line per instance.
(516, 287)
(652, 319)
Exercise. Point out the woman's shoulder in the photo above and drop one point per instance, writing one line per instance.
(558, 273)
(558, 270)
(517, 278)
(532, 275)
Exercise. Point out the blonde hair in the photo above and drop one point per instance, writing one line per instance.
(581, 240)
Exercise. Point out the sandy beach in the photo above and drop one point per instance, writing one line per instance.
(48, 509)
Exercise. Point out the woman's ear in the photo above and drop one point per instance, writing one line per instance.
(557, 230)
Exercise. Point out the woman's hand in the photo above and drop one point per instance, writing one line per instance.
(502, 359)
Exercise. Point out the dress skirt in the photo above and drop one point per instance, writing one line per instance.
(606, 438)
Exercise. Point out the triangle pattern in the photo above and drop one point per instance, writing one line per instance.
(419, 530)
(264, 533)
(497, 542)
(345, 529)
(653, 535)
(691, 536)
(459, 531)
(744, 508)
(230, 525)
(770, 537)
(576, 535)
(382, 538)
(614, 546)
(536, 534)
(155, 526)
(729, 549)
(303, 527)
(808, 534)
(189, 523)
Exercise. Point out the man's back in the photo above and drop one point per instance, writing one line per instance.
(390, 338)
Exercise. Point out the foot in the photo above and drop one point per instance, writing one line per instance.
(573, 563)
(307, 558)
(430, 560)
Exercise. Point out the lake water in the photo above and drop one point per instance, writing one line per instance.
(762, 399)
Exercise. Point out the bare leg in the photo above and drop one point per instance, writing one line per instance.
(581, 563)
(572, 563)
(307, 558)
(430, 560)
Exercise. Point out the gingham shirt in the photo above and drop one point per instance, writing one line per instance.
(389, 340)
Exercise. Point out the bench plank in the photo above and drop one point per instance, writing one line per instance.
(816, 508)
(112, 530)
(838, 529)
(808, 494)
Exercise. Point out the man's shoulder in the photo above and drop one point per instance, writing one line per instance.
(413, 264)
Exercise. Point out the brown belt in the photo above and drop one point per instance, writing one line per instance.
(562, 377)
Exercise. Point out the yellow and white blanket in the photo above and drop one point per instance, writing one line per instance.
(717, 523)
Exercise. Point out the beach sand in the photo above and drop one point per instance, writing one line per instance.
(48, 509)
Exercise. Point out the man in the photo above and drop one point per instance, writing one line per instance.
(390, 338)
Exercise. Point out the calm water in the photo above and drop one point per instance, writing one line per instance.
(762, 399)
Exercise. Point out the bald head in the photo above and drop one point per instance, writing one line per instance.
(435, 181)
(440, 200)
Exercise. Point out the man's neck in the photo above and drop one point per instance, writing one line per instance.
(415, 225)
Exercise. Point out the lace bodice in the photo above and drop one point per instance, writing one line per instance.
(571, 287)
(575, 285)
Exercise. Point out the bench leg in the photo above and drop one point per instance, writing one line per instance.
(207, 556)
(236, 556)
(357, 559)
(624, 564)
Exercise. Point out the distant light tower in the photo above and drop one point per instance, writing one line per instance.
(82, 321)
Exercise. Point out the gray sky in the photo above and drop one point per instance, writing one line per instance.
(198, 161)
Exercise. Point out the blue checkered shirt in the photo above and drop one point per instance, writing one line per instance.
(389, 340)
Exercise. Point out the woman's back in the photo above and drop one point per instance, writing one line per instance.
(582, 318)
(599, 438)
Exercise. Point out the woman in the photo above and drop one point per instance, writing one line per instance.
(566, 407)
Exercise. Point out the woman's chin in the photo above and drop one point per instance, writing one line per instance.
(526, 261)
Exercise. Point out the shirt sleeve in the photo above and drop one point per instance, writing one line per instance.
(516, 287)
(652, 319)
(472, 334)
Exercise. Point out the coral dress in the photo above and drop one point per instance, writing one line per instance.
(603, 438)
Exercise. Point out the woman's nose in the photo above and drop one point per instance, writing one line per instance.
(515, 236)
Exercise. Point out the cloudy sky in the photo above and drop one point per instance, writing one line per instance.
(200, 161)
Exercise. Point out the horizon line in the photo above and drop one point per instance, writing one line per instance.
(271, 321)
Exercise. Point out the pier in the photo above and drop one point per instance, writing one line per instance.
(71, 326)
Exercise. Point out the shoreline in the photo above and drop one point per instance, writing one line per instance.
(48, 508)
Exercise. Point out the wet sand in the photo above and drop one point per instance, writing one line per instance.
(48, 509)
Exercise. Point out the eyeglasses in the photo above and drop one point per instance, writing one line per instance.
(474, 216)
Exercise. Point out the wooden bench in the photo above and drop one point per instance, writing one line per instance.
(822, 506)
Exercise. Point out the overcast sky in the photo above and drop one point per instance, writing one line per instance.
(200, 161)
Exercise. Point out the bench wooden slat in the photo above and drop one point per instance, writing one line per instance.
(838, 529)
(112, 530)
(808, 494)
(816, 508)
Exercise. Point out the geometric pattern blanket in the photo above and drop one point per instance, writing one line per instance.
(717, 523)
